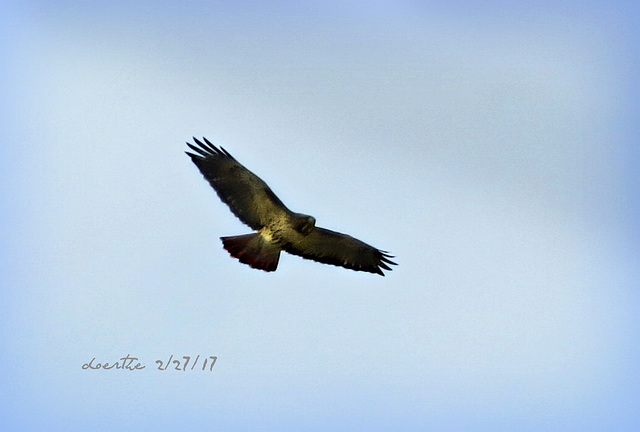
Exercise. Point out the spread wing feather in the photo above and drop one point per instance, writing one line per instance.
(330, 247)
(248, 197)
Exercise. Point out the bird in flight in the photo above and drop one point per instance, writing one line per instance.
(278, 228)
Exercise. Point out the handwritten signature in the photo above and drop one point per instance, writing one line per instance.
(133, 364)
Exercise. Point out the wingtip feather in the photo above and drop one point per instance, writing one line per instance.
(209, 146)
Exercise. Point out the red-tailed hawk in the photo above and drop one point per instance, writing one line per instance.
(253, 202)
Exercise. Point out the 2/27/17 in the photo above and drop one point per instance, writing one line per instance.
(185, 365)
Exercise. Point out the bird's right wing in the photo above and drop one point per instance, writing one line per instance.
(248, 197)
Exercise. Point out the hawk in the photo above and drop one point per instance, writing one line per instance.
(278, 228)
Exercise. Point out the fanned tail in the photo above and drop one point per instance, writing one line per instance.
(253, 250)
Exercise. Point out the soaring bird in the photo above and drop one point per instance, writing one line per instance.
(278, 228)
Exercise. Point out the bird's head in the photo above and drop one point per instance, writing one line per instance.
(304, 223)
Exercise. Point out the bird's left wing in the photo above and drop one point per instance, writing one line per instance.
(330, 247)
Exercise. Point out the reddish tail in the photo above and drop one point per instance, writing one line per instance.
(254, 250)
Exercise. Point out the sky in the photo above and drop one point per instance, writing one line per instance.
(490, 146)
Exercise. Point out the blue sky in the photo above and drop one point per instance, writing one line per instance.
(491, 147)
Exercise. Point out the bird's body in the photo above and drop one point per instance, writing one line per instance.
(278, 228)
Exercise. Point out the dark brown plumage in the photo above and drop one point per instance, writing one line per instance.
(255, 204)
